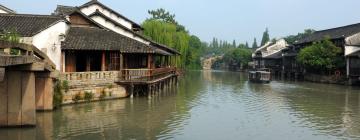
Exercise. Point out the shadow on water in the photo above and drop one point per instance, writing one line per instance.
(209, 105)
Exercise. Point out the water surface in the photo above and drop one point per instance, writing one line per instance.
(210, 105)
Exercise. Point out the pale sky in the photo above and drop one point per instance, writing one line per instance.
(241, 20)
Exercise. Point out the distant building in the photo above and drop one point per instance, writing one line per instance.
(345, 37)
(270, 56)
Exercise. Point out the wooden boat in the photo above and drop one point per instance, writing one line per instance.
(260, 76)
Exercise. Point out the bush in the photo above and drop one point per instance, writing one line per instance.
(65, 86)
(58, 95)
(77, 98)
(110, 86)
(321, 56)
(88, 96)
(103, 94)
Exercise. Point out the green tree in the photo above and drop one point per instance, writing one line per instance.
(265, 37)
(321, 56)
(234, 44)
(254, 45)
(163, 15)
(247, 45)
(195, 51)
(238, 56)
(11, 36)
(291, 39)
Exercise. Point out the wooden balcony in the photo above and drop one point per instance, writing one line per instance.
(123, 76)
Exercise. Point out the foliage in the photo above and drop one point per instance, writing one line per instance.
(65, 85)
(77, 97)
(13, 37)
(291, 39)
(195, 51)
(167, 34)
(102, 95)
(219, 47)
(88, 96)
(162, 14)
(10, 36)
(110, 86)
(254, 45)
(265, 37)
(58, 94)
(321, 56)
(238, 56)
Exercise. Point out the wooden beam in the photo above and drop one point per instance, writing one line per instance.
(88, 63)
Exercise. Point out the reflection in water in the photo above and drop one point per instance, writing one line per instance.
(210, 105)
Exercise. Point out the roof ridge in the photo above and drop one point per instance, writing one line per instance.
(338, 27)
(111, 10)
(30, 15)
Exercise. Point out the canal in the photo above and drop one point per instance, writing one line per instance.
(210, 105)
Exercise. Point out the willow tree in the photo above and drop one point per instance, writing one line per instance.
(168, 34)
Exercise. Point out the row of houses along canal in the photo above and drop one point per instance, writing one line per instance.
(85, 53)
(281, 57)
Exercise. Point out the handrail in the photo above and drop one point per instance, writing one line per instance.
(124, 74)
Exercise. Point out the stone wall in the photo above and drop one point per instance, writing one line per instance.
(100, 84)
(325, 79)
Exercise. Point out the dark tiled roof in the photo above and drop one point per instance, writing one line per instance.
(27, 25)
(84, 38)
(164, 47)
(334, 33)
(91, 2)
(62, 10)
(7, 9)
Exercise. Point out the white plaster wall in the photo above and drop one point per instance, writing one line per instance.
(351, 50)
(268, 49)
(118, 29)
(46, 39)
(353, 40)
(91, 9)
(3, 11)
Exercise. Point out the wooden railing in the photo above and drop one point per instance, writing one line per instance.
(111, 76)
(84, 76)
(144, 74)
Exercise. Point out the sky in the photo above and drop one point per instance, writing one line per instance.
(239, 20)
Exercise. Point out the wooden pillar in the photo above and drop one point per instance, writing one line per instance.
(103, 61)
(121, 61)
(62, 61)
(88, 63)
(150, 62)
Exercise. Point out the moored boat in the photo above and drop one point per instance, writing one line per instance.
(260, 76)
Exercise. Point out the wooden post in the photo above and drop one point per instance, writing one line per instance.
(103, 61)
(121, 61)
(88, 63)
(62, 61)
(150, 64)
